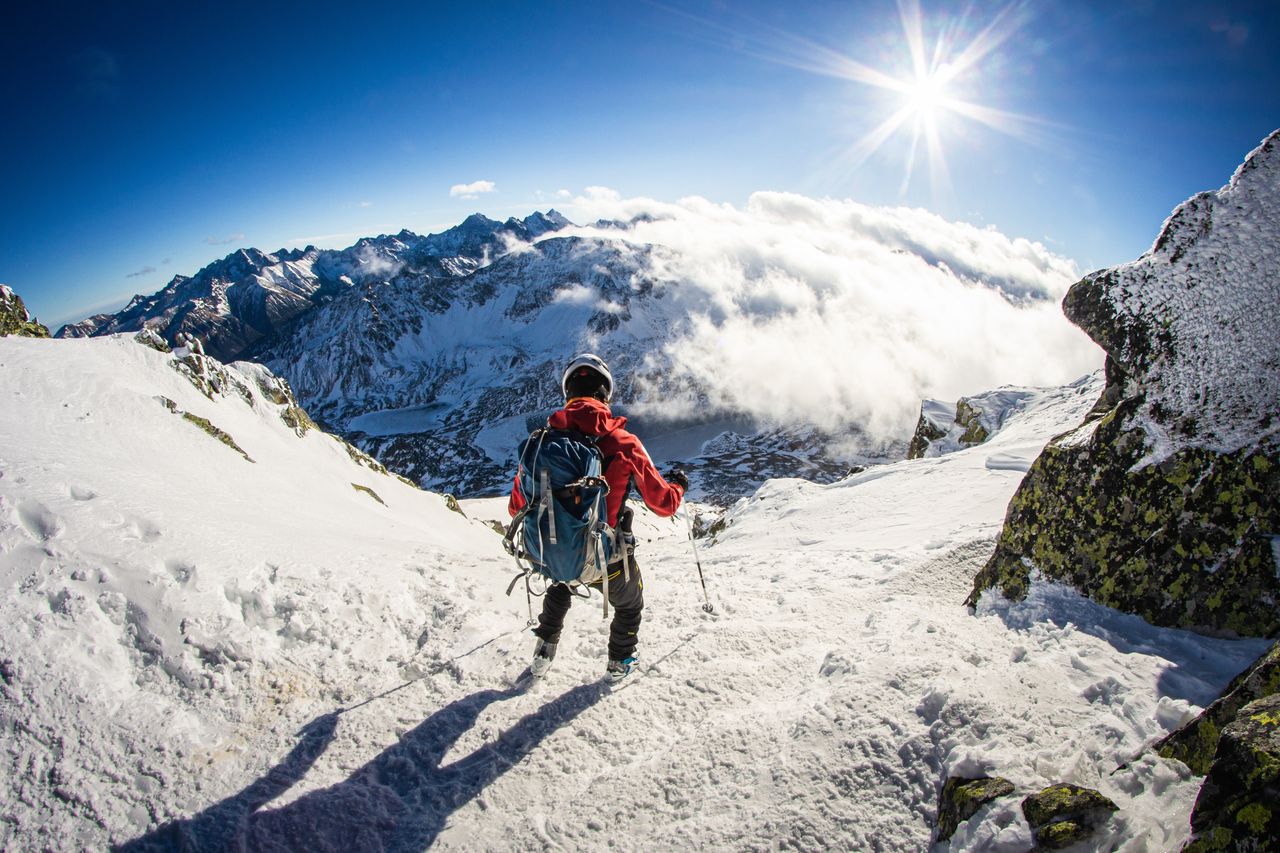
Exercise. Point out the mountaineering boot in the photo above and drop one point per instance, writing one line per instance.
(620, 669)
(543, 654)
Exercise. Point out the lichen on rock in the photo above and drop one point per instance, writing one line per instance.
(961, 798)
(15, 319)
(1239, 804)
(1195, 743)
(1063, 814)
(220, 435)
(970, 417)
(148, 337)
(1165, 501)
(368, 491)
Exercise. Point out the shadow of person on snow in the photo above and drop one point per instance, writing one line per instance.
(217, 827)
(399, 801)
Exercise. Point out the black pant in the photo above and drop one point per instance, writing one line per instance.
(625, 597)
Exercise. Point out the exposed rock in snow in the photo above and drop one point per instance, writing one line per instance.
(1164, 502)
(961, 798)
(1196, 742)
(1239, 804)
(944, 428)
(15, 319)
(1063, 815)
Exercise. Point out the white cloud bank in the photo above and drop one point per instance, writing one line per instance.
(834, 313)
(471, 190)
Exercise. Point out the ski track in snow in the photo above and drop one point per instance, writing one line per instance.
(286, 677)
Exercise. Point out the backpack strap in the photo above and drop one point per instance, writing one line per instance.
(546, 506)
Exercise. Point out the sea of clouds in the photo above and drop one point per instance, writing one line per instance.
(834, 313)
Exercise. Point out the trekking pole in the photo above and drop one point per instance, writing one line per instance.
(689, 522)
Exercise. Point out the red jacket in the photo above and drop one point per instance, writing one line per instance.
(624, 455)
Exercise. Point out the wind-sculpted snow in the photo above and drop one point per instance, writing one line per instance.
(1192, 323)
(207, 653)
(167, 596)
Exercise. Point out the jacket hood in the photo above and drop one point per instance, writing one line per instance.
(588, 416)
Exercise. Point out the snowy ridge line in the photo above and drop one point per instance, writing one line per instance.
(1206, 297)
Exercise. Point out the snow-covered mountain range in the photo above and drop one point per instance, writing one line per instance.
(437, 354)
(251, 295)
(791, 338)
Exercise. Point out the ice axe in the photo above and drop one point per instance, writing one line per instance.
(688, 518)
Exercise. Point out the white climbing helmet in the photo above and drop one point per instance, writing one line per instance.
(593, 362)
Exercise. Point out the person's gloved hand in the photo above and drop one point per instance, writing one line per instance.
(677, 476)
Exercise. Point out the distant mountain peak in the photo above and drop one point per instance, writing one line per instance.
(243, 298)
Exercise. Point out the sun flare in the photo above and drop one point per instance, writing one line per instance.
(927, 96)
(947, 69)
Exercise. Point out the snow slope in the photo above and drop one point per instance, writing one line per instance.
(167, 602)
(291, 665)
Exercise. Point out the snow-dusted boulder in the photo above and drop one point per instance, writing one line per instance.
(1166, 501)
(1195, 743)
(15, 319)
(936, 418)
(944, 428)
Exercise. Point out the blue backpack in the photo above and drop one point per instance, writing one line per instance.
(562, 532)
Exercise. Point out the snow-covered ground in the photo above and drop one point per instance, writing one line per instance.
(268, 655)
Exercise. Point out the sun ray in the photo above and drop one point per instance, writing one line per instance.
(1007, 21)
(939, 174)
(944, 70)
(868, 144)
(913, 29)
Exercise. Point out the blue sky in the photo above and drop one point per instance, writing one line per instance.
(144, 140)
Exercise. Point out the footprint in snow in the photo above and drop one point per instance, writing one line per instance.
(81, 493)
(139, 529)
(39, 521)
(183, 571)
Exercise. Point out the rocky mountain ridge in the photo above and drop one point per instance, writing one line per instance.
(440, 379)
(249, 296)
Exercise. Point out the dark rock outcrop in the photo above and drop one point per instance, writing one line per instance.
(1239, 804)
(961, 798)
(928, 430)
(1165, 502)
(1196, 742)
(1062, 815)
(15, 319)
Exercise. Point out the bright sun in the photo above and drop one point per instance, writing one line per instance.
(931, 90)
(938, 82)
(927, 96)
